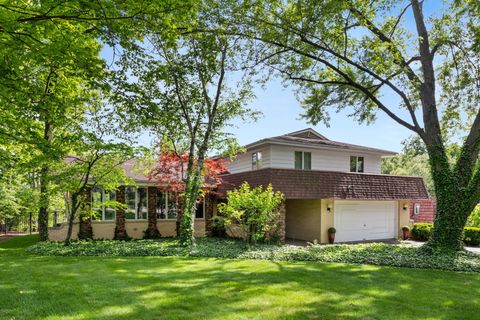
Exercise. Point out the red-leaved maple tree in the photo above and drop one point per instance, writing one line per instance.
(171, 169)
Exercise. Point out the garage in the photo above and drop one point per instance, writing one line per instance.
(365, 220)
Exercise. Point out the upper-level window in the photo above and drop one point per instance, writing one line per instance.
(256, 160)
(356, 164)
(303, 160)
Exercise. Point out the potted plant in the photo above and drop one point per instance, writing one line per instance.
(331, 235)
(406, 232)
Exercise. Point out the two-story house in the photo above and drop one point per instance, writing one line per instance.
(328, 184)
(325, 183)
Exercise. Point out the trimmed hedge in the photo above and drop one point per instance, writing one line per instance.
(369, 253)
(471, 236)
(423, 232)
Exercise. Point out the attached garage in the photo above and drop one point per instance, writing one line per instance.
(365, 220)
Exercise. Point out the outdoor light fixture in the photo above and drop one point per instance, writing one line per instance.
(405, 206)
(329, 208)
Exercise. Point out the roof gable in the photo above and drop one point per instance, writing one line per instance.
(308, 133)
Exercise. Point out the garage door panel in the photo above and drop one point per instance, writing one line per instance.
(364, 220)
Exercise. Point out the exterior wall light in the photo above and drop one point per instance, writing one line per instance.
(329, 208)
(405, 206)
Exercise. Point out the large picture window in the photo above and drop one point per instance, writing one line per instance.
(109, 210)
(356, 164)
(131, 202)
(97, 202)
(102, 203)
(166, 206)
(142, 201)
(303, 160)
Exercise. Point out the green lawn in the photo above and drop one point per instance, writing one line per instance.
(181, 288)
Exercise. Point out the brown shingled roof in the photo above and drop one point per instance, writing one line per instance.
(300, 184)
(311, 138)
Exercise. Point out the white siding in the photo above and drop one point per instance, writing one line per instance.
(284, 157)
(243, 162)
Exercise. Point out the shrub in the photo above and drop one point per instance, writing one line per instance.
(472, 236)
(332, 230)
(422, 231)
(218, 227)
(405, 228)
(474, 218)
(254, 210)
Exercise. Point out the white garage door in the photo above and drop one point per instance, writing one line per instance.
(365, 220)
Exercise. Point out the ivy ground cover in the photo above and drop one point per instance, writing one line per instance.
(93, 287)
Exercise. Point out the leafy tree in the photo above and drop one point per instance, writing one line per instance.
(183, 91)
(51, 71)
(255, 210)
(96, 160)
(356, 53)
(170, 173)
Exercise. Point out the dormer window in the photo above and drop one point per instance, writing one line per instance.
(303, 160)
(356, 164)
(256, 160)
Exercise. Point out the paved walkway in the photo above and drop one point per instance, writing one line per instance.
(418, 244)
(407, 242)
(10, 235)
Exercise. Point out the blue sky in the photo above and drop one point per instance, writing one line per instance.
(281, 114)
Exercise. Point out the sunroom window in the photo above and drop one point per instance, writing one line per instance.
(131, 202)
(142, 207)
(166, 206)
(102, 203)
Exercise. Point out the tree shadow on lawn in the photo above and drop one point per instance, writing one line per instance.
(182, 288)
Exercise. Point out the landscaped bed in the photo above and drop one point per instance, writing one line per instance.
(371, 253)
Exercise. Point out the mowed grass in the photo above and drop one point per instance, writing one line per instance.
(186, 288)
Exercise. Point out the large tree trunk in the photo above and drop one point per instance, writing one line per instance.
(71, 218)
(455, 202)
(44, 204)
(152, 230)
(120, 230)
(192, 189)
(85, 230)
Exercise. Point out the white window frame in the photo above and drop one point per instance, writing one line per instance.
(302, 162)
(416, 209)
(137, 202)
(103, 208)
(356, 164)
(258, 162)
(167, 195)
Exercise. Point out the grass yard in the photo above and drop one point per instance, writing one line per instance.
(33, 287)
